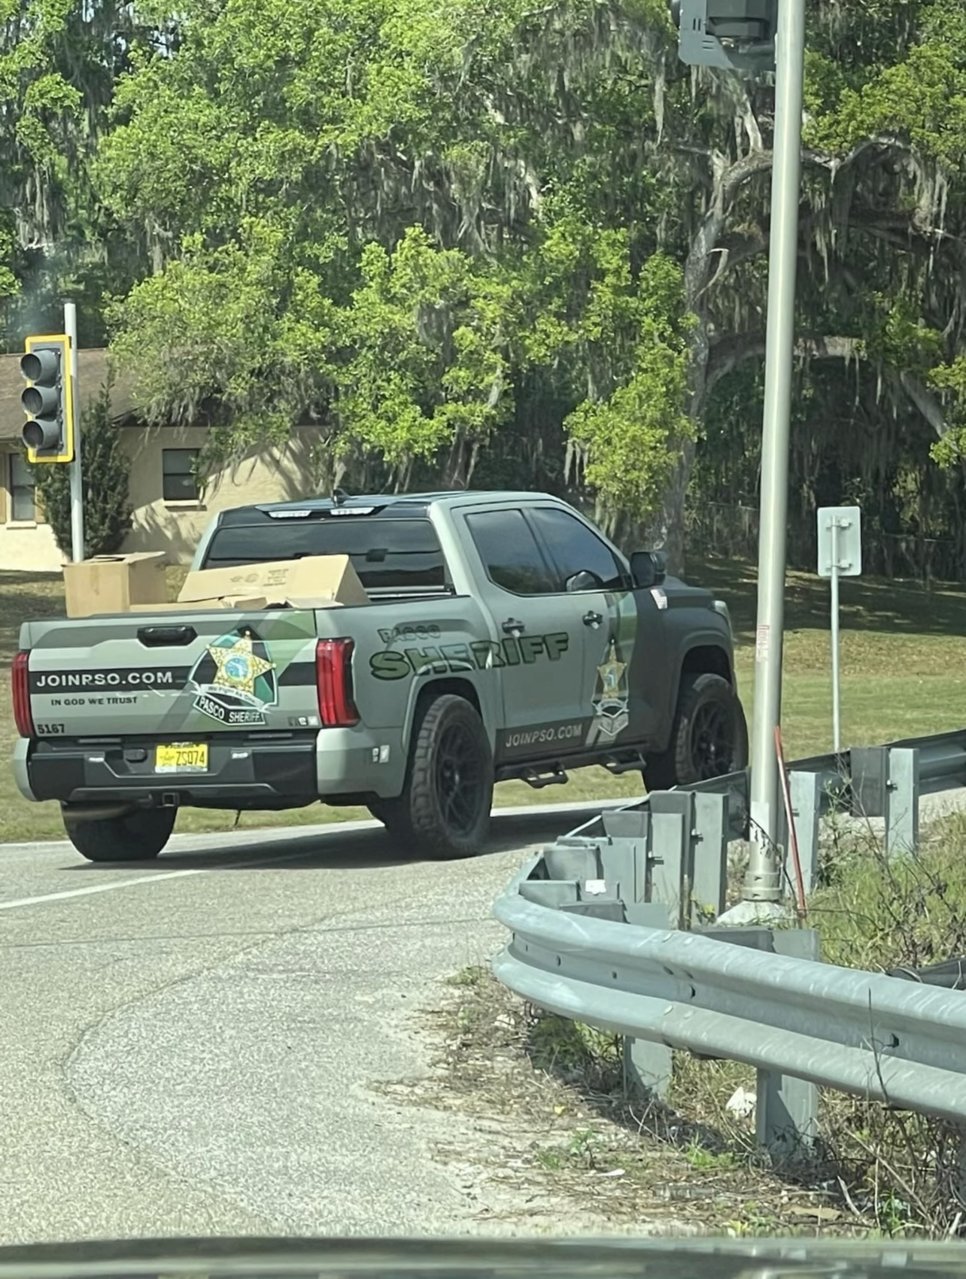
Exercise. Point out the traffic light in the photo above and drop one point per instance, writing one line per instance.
(48, 399)
(735, 35)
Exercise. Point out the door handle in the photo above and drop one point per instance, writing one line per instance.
(593, 619)
(512, 626)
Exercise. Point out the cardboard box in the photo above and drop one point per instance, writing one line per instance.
(316, 581)
(113, 583)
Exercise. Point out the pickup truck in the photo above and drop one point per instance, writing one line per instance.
(504, 637)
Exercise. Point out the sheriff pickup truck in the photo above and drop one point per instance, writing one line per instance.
(503, 637)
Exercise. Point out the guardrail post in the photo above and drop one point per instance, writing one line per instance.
(669, 853)
(902, 800)
(554, 893)
(787, 1109)
(624, 856)
(647, 1065)
(573, 861)
(710, 853)
(806, 793)
(870, 780)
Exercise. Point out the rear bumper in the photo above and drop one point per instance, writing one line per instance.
(334, 764)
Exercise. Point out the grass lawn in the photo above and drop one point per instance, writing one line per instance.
(902, 675)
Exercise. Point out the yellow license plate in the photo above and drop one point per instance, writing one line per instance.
(182, 757)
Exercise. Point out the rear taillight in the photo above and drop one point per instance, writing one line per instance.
(333, 679)
(20, 688)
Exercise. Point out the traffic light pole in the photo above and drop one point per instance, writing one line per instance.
(76, 467)
(762, 882)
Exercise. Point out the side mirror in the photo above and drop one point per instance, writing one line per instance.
(583, 581)
(648, 568)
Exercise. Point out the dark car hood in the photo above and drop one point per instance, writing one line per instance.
(477, 1257)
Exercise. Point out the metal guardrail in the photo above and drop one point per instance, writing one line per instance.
(610, 926)
(874, 782)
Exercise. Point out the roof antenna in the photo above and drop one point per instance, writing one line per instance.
(339, 496)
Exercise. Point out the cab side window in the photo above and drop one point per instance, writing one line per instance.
(575, 549)
(510, 553)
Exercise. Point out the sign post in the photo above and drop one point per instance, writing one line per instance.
(755, 36)
(839, 555)
(763, 881)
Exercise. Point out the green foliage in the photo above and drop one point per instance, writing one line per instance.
(896, 335)
(107, 469)
(877, 912)
(919, 95)
(427, 331)
(60, 61)
(511, 241)
(949, 450)
(631, 437)
(389, 262)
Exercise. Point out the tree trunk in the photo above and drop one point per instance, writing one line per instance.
(705, 259)
(667, 531)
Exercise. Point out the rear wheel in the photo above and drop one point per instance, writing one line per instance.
(444, 810)
(133, 837)
(708, 739)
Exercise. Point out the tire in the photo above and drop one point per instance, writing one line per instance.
(382, 810)
(138, 836)
(709, 736)
(444, 810)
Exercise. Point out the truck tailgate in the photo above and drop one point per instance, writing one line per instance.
(172, 674)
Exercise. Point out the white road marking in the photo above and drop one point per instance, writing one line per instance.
(294, 832)
(145, 879)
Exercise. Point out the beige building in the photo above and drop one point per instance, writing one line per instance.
(169, 513)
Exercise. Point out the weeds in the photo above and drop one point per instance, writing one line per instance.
(903, 1171)
(872, 1171)
(895, 1174)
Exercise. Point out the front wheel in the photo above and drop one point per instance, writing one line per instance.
(709, 736)
(133, 837)
(444, 810)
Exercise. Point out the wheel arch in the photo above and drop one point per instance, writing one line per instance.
(703, 654)
(707, 659)
(425, 693)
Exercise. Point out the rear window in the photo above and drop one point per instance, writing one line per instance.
(387, 554)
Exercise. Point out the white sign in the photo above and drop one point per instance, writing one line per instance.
(840, 541)
(839, 555)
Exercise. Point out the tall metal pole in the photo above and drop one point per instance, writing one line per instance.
(762, 883)
(76, 467)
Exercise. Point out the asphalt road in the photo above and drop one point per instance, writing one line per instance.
(191, 1047)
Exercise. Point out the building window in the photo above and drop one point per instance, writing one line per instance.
(178, 475)
(23, 499)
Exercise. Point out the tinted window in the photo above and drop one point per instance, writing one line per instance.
(387, 554)
(509, 552)
(575, 549)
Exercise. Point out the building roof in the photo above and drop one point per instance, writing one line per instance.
(92, 373)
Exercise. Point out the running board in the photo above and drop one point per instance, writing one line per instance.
(556, 777)
(626, 764)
